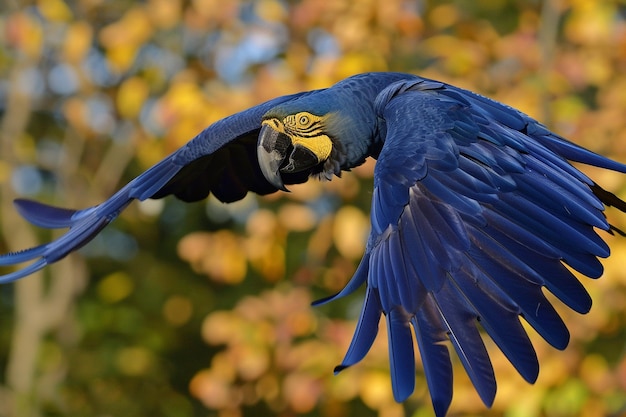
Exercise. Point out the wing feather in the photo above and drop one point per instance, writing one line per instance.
(366, 330)
(475, 209)
(467, 342)
(431, 335)
(401, 354)
(502, 324)
(187, 173)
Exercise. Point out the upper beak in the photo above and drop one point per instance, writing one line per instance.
(272, 150)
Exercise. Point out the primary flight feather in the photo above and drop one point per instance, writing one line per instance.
(475, 209)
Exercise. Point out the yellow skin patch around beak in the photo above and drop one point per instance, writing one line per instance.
(305, 129)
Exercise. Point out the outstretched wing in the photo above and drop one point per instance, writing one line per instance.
(475, 209)
(220, 160)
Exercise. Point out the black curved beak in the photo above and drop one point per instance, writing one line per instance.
(278, 154)
(272, 149)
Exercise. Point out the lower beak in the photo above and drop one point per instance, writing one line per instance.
(272, 149)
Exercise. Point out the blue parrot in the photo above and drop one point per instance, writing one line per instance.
(475, 208)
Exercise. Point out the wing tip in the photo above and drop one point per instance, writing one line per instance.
(44, 215)
(340, 368)
(23, 272)
(441, 406)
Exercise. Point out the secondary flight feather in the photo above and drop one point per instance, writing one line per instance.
(475, 208)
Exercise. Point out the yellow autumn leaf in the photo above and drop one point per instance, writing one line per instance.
(134, 361)
(270, 10)
(589, 22)
(357, 62)
(251, 362)
(350, 231)
(297, 217)
(177, 310)
(301, 392)
(133, 28)
(164, 14)
(213, 391)
(55, 10)
(5, 172)
(184, 97)
(149, 152)
(221, 327)
(131, 96)
(121, 56)
(443, 16)
(218, 255)
(115, 287)
(26, 34)
(122, 39)
(25, 148)
(78, 39)
(375, 390)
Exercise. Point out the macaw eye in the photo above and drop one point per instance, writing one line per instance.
(303, 122)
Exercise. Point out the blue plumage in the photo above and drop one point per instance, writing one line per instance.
(475, 209)
(435, 356)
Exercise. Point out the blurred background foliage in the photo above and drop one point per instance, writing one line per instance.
(182, 310)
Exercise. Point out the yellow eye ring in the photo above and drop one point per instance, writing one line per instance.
(304, 120)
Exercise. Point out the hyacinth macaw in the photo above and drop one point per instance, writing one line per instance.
(475, 208)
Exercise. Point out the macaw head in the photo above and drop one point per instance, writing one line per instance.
(299, 142)
(319, 134)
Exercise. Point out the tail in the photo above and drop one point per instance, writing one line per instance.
(84, 224)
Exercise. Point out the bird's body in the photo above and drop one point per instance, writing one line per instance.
(475, 208)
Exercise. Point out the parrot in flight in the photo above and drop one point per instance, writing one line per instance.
(475, 208)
